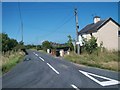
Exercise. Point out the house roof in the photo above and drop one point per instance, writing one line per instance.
(94, 27)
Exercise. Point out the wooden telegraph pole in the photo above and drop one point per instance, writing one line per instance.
(77, 27)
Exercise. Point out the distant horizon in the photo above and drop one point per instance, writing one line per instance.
(52, 21)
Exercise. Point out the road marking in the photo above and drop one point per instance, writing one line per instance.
(36, 54)
(41, 58)
(33, 52)
(75, 87)
(103, 83)
(53, 68)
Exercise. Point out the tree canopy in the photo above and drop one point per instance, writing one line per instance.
(69, 43)
(46, 45)
(7, 43)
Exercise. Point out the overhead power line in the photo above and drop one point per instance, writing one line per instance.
(58, 28)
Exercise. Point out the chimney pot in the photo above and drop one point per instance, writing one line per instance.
(96, 19)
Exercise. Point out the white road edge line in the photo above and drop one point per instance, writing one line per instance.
(41, 58)
(53, 68)
(75, 87)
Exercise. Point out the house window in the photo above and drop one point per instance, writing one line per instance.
(118, 33)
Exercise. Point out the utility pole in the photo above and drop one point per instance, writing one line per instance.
(77, 27)
(22, 31)
(21, 22)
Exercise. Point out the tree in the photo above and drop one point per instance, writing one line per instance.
(46, 45)
(90, 45)
(12, 43)
(5, 40)
(69, 43)
(7, 43)
(39, 47)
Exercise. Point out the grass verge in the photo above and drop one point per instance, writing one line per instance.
(104, 60)
(42, 51)
(9, 61)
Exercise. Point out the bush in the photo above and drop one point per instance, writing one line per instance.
(69, 43)
(90, 45)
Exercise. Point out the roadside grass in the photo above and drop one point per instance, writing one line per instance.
(42, 51)
(10, 60)
(104, 60)
(32, 49)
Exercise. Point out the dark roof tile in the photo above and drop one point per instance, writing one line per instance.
(95, 27)
(91, 27)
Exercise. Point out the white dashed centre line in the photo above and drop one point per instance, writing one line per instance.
(75, 87)
(33, 52)
(53, 68)
(36, 55)
(42, 59)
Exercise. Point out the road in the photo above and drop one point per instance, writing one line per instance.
(39, 70)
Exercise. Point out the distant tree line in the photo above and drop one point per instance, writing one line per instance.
(8, 44)
(32, 46)
(50, 45)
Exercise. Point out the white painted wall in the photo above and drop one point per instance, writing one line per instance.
(80, 40)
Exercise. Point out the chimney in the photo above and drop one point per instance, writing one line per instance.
(96, 19)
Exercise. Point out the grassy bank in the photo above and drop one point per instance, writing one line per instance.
(9, 60)
(105, 60)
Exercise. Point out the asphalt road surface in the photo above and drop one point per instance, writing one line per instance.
(39, 70)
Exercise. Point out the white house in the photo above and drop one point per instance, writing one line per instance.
(106, 31)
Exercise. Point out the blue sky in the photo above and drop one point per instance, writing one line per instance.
(52, 21)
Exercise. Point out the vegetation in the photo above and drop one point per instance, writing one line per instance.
(46, 45)
(51, 45)
(91, 45)
(9, 60)
(95, 56)
(69, 43)
(38, 47)
(8, 44)
(106, 60)
(11, 52)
